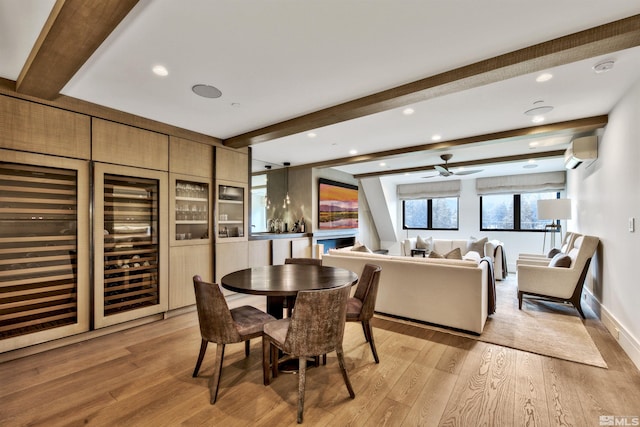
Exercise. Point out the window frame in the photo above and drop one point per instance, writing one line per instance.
(516, 216)
(430, 215)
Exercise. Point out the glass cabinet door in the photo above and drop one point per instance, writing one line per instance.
(40, 295)
(133, 260)
(231, 212)
(191, 210)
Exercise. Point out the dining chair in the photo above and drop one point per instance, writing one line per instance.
(222, 326)
(360, 307)
(290, 301)
(316, 327)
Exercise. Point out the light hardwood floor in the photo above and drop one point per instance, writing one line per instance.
(142, 377)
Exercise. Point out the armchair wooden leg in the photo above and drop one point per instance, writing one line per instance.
(203, 350)
(214, 382)
(345, 376)
(247, 348)
(302, 378)
(274, 361)
(371, 343)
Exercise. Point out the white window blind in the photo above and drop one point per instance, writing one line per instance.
(430, 190)
(516, 184)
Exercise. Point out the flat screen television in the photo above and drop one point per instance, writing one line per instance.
(337, 205)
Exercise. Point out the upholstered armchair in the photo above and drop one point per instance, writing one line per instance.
(559, 283)
(543, 259)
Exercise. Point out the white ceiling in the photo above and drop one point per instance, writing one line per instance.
(280, 59)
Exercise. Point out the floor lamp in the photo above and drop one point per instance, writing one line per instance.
(553, 209)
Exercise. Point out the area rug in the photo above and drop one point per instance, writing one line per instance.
(545, 328)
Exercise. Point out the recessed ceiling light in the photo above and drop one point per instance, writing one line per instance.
(538, 119)
(160, 70)
(436, 137)
(532, 161)
(206, 91)
(312, 134)
(383, 164)
(544, 77)
(353, 152)
(604, 66)
(533, 144)
(408, 111)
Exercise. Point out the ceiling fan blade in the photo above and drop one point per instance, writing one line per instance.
(468, 172)
(443, 171)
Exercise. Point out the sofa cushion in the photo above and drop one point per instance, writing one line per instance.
(477, 245)
(426, 244)
(560, 260)
(453, 254)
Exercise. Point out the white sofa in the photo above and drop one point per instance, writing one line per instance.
(451, 293)
(492, 248)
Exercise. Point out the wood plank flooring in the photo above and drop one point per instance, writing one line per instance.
(142, 377)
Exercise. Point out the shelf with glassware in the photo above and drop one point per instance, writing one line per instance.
(43, 249)
(129, 249)
(190, 210)
(231, 212)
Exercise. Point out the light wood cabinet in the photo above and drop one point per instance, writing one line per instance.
(259, 253)
(232, 165)
(131, 243)
(190, 210)
(185, 262)
(28, 126)
(44, 248)
(230, 257)
(125, 145)
(190, 158)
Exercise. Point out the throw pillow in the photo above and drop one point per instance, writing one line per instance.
(476, 245)
(553, 252)
(360, 247)
(426, 244)
(454, 254)
(560, 260)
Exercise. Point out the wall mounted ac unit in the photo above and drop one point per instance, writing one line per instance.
(583, 150)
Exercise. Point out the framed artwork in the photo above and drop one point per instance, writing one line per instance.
(337, 205)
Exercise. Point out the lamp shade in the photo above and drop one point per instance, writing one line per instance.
(554, 209)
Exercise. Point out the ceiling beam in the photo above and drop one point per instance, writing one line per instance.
(570, 127)
(586, 44)
(492, 160)
(73, 31)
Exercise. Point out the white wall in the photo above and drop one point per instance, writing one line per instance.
(607, 195)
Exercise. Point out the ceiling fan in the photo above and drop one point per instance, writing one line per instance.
(444, 170)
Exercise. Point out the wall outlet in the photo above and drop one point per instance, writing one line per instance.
(616, 334)
(632, 224)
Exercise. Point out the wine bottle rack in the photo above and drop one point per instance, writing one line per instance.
(130, 243)
(38, 249)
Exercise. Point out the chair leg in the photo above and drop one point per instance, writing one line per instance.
(371, 343)
(302, 378)
(203, 350)
(274, 361)
(266, 358)
(247, 348)
(364, 329)
(345, 376)
(214, 382)
(324, 359)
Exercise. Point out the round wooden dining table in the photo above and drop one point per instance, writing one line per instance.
(279, 282)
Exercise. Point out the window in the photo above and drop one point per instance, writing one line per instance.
(513, 211)
(430, 214)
